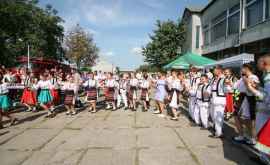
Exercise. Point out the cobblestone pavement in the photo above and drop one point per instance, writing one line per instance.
(113, 138)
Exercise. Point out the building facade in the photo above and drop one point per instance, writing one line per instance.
(231, 27)
(192, 22)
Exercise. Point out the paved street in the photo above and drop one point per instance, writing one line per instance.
(113, 138)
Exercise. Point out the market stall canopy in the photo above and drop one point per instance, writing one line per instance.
(184, 61)
(235, 61)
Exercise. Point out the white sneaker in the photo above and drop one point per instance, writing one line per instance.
(239, 138)
(156, 112)
(161, 115)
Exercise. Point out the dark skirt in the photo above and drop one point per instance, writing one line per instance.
(110, 94)
(91, 94)
(69, 97)
(131, 92)
(144, 94)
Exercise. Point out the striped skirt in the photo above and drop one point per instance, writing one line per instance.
(91, 94)
(110, 94)
(69, 97)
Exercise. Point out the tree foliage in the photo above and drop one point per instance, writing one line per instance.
(23, 23)
(165, 42)
(80, 47)
(148, 68)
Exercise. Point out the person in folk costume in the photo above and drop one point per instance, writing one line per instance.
(45, 98)
(194, 80)
(246, 106)
(185, 84)
(230, 80)
(91, 86)
(175, 89)
(218, 101)
(111, 86)
(132, 93)
(61, 79)
(29, 97)
(55, 88)
(5, 103)
(263, 109)
(78, 81)
(123, 85)
(160, 94)
(203, 95)
(145, 93)
(169, 78)
(70, 87)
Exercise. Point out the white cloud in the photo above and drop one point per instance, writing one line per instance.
(136, 50)
(111, 13)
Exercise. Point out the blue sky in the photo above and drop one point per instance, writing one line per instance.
(120, 27)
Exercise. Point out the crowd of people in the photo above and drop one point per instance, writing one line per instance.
(212, 96)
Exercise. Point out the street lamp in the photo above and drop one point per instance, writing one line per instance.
(28, 54)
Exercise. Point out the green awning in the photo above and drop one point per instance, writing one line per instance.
(184, 61)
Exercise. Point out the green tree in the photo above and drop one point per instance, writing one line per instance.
(23, 23)
(148, 68)
(165, 42)
(80, 47)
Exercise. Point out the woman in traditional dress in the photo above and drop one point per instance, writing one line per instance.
(174, 95)
(55, 88)
(132, 93)
(5, 103)
(145, 87)
(70, 89)
(160, 94)
(111, 96)
(229, 81)
(91, 86)
(29, 98)
(44, 97)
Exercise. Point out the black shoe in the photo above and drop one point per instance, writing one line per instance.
(1, 126)
(216, 137)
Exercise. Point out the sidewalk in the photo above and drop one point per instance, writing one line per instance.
(113, 138)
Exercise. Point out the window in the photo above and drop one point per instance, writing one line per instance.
(198, 28)
(206, 35)
(254, 12)
(234, 19)
(219, 26)
(267, 9)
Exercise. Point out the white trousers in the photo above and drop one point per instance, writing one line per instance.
(201, 113)
(217, 113)
(191, 106)
(122, 96)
